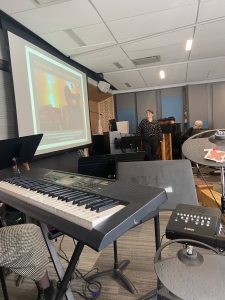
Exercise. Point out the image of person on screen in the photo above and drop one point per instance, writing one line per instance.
(50, 118)
(151, 134)
(73, 117)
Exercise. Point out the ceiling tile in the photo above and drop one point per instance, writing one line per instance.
(103, 61)
(117, 9)
(209, 40)
(94, 34)
(210, 9)
(119, 80)
(85, 49)
(12, 6)
(153, 23)
(206, 70)
(59, 40)
(170, 46)
(66, 15)
(175, 74)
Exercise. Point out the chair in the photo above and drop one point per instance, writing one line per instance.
(174, 175)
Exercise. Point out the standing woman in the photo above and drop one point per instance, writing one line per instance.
(151, 133)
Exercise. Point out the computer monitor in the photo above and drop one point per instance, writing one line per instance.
(112, 125)
(123, 126)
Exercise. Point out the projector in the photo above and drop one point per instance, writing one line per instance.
(103, 86)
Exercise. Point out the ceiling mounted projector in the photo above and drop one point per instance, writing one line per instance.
(103, 86)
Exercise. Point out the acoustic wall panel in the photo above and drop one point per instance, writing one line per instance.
(218, 97)
(172, 103)
(199, 104)
(126, 110)
(146, 100)
(8, 124)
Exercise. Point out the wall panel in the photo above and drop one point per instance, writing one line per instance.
(218, 100)
(172, 103)
(8, 123)
(145, 100)
(106, 109)
(126, 110)
(198, 104)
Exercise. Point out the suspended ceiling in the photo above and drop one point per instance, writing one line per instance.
(107, 36)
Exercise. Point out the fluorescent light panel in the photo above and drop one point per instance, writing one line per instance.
(189, 45)
(162, 74)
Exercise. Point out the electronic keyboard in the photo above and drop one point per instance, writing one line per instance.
(93, 210)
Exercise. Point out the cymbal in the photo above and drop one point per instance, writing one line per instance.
(193, 148)
(204, 281)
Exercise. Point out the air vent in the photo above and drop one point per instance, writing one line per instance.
(147, 60)
(127, 84)
(118, 65)
(48, 2)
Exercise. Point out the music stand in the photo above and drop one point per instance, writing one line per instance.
(18, 150)
(9, 150)
(28, 146)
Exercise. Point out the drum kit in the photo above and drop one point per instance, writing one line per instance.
(191, 274)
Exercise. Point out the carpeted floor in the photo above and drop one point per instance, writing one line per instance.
(137, 245)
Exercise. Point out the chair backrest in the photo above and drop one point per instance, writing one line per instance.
(175, 176)
(97, 165)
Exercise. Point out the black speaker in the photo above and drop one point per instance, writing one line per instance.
(100, 144)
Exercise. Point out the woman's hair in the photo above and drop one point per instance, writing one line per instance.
(149, 110)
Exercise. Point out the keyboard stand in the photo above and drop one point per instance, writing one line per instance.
(63, 287)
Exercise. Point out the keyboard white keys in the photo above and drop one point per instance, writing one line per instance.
(79, 215)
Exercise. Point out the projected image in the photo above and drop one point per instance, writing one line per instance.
(57, 98)
(56, 95)
(51, 97)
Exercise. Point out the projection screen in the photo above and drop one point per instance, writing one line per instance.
(51, 97)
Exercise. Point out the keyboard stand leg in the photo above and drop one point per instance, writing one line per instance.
(55, 259)
(4, 288)
(117, 271)
(69, 271)
(154, 293)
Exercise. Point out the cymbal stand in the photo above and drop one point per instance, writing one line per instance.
(223, 191)
(154, 293)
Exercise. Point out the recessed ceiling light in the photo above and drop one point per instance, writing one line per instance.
(189, 45)
(162, 74)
